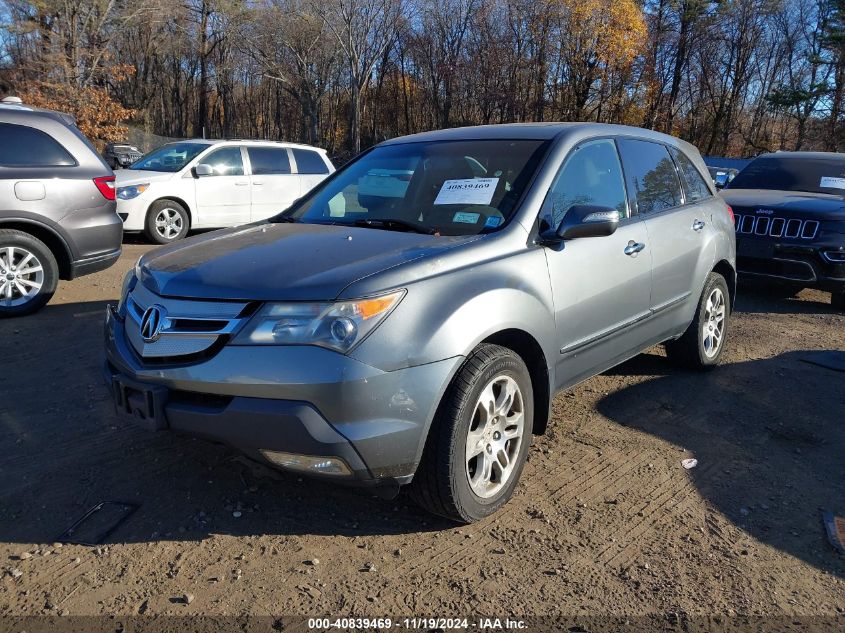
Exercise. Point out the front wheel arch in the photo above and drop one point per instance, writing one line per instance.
(527, 348)
(178, 200)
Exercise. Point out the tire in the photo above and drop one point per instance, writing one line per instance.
(837, 300)
(442, 484)
(25, 289)
(702, 345)
(170, 212)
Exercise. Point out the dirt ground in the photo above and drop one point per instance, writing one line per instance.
(605, 520)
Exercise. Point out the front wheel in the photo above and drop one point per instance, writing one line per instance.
(167, 221)
(28, 273)
(479, 438)
(703, 343)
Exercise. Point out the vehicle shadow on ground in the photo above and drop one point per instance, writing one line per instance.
(63, 449)
(757, 299)
(769, 439)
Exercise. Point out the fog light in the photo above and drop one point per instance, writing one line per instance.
(308, 463)
(834, 257)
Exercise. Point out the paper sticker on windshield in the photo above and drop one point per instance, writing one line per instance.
(467, 191)
(832, 183)
(466, 218)
(493, 221)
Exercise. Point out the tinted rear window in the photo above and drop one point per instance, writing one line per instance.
(22, 146)
(269, 160)
(694, 184)
(814, 175)
(651, 175)
(308, 162)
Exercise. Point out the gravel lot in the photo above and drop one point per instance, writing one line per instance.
(605, 520)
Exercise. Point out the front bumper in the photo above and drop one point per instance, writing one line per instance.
(791, 264)
(297, 399)
(133, 212)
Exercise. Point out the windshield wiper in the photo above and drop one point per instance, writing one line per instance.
(394, 225)
(284, 218)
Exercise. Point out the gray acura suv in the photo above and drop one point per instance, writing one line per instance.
(57, 207)
(417, 337)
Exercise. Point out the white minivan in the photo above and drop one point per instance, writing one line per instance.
(199, 184)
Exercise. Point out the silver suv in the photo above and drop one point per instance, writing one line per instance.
(57, 207)
(419, 339)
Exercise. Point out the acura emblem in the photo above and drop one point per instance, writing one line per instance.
(152, 323)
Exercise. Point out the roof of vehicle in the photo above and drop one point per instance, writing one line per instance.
(812, 155)
(16, 111)
(531, 131)
(247, 141)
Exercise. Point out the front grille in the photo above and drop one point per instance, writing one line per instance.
(188, 327)
(767, 226)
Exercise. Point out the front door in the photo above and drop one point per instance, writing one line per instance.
(274, 187)
(223, 198)
(601, 285)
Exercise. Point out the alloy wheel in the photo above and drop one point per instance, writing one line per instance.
(495, 436)
(168, 223)
(713, 324)
(21, 276)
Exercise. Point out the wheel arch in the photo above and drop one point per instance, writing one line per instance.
(724, 268)
(178, 200)
(53, 240)
(527, 348)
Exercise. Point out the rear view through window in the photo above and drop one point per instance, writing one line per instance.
(791, 173)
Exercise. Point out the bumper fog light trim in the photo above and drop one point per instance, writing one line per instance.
(333, 466)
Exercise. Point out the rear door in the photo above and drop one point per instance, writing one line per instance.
(601, 286)
(223, 198)
(675, 230)
(310, 167)
(274, 185)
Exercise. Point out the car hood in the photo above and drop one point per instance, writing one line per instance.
(282, 261)
(819, 206)
(126, 177)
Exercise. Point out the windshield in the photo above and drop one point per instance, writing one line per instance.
(792, 173)
(443, 187)
(171, 157)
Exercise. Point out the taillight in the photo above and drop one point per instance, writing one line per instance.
(731, 213)
(105, 185)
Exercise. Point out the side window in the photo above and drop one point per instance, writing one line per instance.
(308, 162)
(651, 175)
(694, 184)
(226, 161)
(22, 146)
(268, 161)
(592, 174)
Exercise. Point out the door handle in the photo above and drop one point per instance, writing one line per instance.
(633, 248)
(257, 182)
(697, 225)
(241, 183)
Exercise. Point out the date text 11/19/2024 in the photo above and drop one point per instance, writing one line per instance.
(480, 624)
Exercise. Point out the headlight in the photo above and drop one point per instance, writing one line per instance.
(132, 191)
(128, 284)
(338, 326)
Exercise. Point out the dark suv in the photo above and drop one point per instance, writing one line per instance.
(790, 221)
(57, 207)
(121, 155)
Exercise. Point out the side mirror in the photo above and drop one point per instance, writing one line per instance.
(203, 170)
(585, 220)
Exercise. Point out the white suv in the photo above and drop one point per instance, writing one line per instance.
(199, 184)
